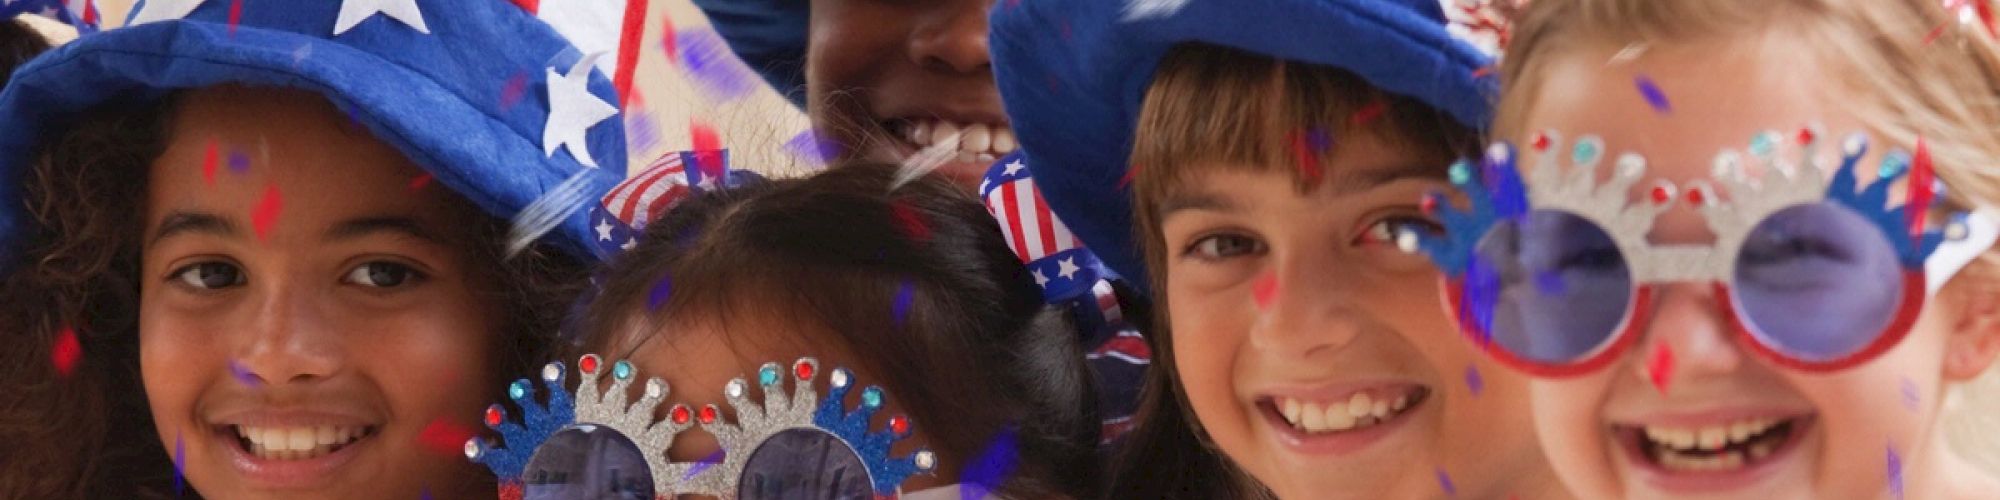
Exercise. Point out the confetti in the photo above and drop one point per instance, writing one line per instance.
(1660, 367)
(444, 437)
(235, 15)
(1921, 184)
(1444, 481)
(1895, 473)
(1654, 96)
(266, 214)
(707, 149)
(1307, 158)
(1126, 181)
(208, 163)
(1473, 380)
(904, 294)
(426, 495)
(1910, 397)
(1549, 283)
(910, 222)
(711, 460)
(1369, 113)
(66, 351)
(707, 60)
(242, 374)
(180, 464)
(512, 91)
(661, 291)
(1265, 290)
(991, 467)
(667, 39)
(813, 148)
(239, 163)
(421, 180)
(640, 130)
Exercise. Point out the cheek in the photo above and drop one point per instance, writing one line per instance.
(177, 360)
(1207, 340)
(1568, 424)
(437, 363)
(848, 43)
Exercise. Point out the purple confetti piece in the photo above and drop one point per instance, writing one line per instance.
(709, 461)
(1653, 95)
(1910, 397)
(180, 464)
(1320, 139)
(902, 306)
(709, 62)
(1444, 481)
(239, 162)
(1895, 474)
(1473, 380)
(640, 130)
(661, 291)
(813, 149)
(987, 471)
(1549, 283)
(426, 494)
(242, 374)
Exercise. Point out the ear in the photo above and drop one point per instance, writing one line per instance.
(1975, 332)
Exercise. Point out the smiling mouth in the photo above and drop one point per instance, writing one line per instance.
(977, 142)
(1360, 411)
(298, 443)
(1728, 447)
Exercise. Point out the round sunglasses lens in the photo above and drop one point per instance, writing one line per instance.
(1817, 282)
(1550, 289)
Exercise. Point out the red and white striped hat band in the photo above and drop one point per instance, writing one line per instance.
(651, 192)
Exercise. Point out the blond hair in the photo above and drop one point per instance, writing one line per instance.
(1905, 68)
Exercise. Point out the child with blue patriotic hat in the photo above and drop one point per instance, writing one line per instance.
(260, 250)
(1268, 153)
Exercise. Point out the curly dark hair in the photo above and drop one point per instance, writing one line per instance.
(75, 267)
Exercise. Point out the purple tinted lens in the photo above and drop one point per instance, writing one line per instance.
(1552, 288)
(1817, 282)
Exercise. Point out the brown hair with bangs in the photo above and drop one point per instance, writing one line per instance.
(1212, 107)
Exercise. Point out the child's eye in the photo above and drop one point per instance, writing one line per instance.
(1399, 232)
(210, 275)
(1223, 246)
(383, 275)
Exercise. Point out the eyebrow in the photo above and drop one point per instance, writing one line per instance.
(1199, 200)
(178, 223)
(365, 226)
(1353, 181)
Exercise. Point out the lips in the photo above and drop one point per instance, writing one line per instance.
(1711, 451)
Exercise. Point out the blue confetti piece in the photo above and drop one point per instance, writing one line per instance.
(1910, 397)
(902, 305)
(180, 464)
(660, 293)
(711, 460)
(1549, 283)
(1895, 474)
(813, 149)
(1444, 481)
(1320, 139)
(991, 468)
(426, 494)
(709, 62)
(239, 162)
(640, 130)
(242, 374)
(1653, 95)
(1473, 380)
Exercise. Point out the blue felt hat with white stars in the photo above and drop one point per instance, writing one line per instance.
(492, 102)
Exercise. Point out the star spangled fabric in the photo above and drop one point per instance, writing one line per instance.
(428, 77)
(79, 13)
(648, 195)
(1071, 276)
(611, 27)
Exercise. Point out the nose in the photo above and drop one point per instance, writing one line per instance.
(1304, 314)
(1689, 324)
(284, 340)
(952, 38)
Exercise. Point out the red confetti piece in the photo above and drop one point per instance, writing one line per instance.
(532, 6)
(707, 146)
(1126, 181)
(66, 351)
(420, 181)
(235, 15)
(266, 213)
(1920, 185)
(1660, 367)
(1369, 113)
(1308, 160)
(910, 222)
(512, 91)
(1265, 290)
(444, 437)
(1483, 71)
(1935, 32)
(667, 39)
(208, 161)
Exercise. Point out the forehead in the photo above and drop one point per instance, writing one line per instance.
(1711, 96)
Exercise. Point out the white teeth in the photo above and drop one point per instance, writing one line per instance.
(324, 435)
(976, 138)
(293, 443)
(300, 439)
(984, 142)
(1713, 438)
(1003, 141)
(1356, 412)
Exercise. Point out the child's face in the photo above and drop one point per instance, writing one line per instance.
(887, 78)
(311, 301)
(1842, 426)
(1346, 378)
